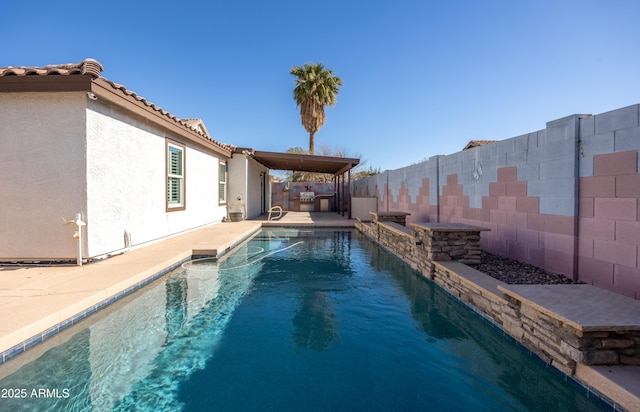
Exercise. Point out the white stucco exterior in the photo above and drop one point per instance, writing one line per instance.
(63, 154)
(249, 186)
(42, 173)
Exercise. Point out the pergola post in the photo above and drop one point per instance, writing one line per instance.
(349, 194)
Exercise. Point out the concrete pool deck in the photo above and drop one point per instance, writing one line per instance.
(33, 300)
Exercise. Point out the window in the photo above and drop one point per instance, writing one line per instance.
(222, 186)
(175, 176)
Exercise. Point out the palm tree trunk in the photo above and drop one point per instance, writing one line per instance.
(311, 141)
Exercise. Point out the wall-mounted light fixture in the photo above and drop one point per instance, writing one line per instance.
(92, 96)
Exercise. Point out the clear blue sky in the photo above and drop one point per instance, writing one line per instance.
(420, 77)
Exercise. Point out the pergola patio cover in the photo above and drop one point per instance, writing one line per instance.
(305, 162)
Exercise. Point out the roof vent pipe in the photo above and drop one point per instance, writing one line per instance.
(92, 67)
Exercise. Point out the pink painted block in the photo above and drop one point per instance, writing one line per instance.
(628, 186)
(497, 246)
(444, 199)
(507, 203)
(613, 164)
(489, 202)
(595, 271)
(517, 219)
(563, 225)
(516, 251)
(506, 232)
(528, 204)
(598, 186)
(616, 208)
(516, 188)
(615, 252)
(469, 213)
(498, 217)
(424, 189)
(558, 262)
(535, 222)
(497, 189)
(446, 213)
(508, 174)
(586, 207)
(452, 179)
(627, 278)
(559, 243)
(531, 237)
(597, 229)
(536, 256)
(628, 232)
(585, 247)
(483, 214)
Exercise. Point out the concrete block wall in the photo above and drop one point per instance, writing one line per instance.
(565, 198)
(609, 201)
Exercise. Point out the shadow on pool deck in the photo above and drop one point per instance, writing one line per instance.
(34, 300)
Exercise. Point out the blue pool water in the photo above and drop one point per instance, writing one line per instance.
(292, 320)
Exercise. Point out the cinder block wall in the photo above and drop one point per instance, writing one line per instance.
(565, 198)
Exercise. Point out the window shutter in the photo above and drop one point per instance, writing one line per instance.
(222, 187)
(175, 176)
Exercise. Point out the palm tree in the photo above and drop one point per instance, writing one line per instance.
(315, 88)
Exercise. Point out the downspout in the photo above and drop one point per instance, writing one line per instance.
(246, 185)
(388, 191)
(349, 193)
(576, 207)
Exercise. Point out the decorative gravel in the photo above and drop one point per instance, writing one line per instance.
(518, 273)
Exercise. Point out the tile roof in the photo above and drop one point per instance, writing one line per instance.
(94, 68)
(87, 66)
(476, 143)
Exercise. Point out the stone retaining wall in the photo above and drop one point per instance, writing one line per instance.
(563, 345)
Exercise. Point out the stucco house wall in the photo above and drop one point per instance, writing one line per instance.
(42, 173)
(74, 143)
(258, 189)
(126, 183)
(247, 188)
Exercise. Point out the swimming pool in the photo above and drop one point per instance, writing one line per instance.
(291, 320)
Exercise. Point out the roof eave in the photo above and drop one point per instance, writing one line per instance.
(103, 89)
(51, 83)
